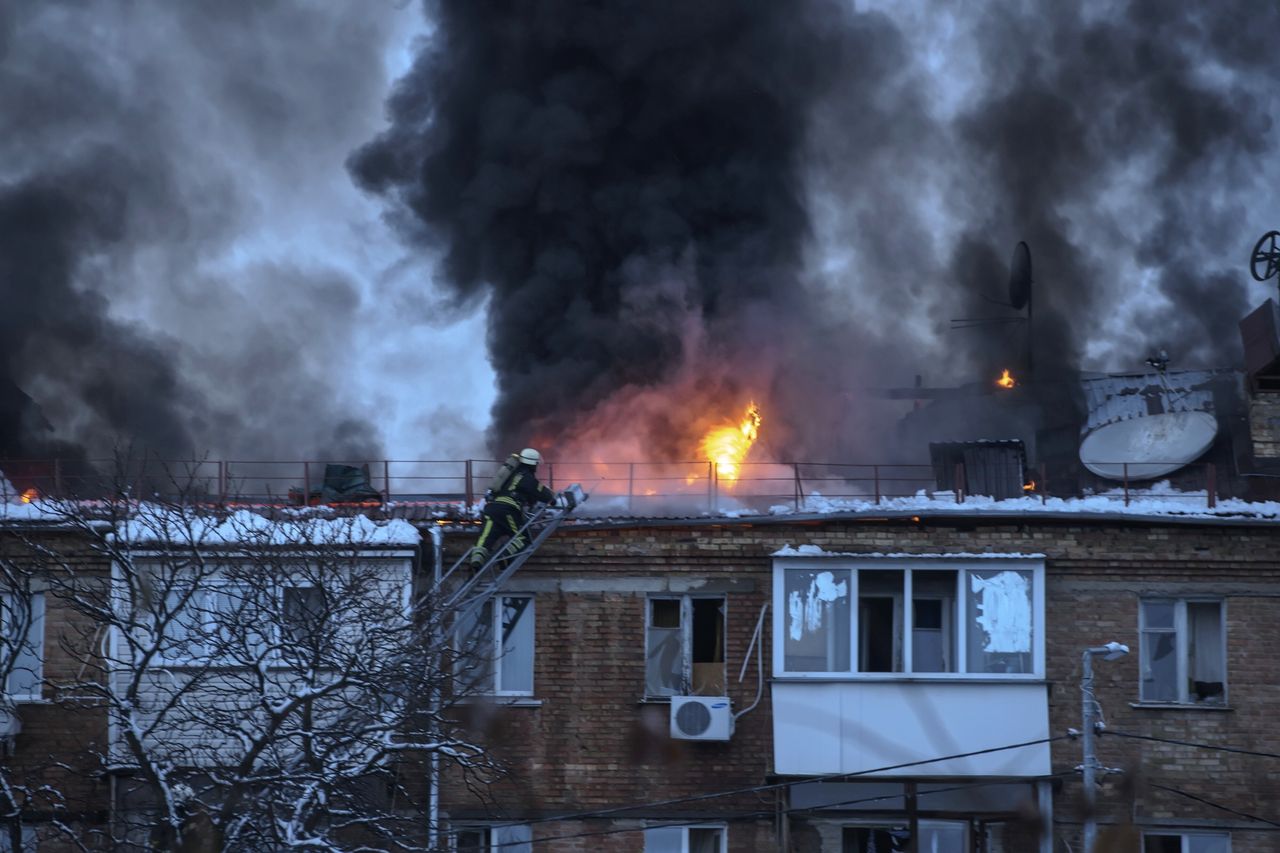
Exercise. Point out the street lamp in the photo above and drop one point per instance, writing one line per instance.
(1088, 713)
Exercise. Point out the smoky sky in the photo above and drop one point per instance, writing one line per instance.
(793, 200)
(142, 143)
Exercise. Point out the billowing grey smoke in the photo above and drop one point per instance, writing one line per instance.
(615, 174)
(626, 177)
(141, 143)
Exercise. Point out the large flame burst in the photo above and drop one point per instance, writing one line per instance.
(727, 446)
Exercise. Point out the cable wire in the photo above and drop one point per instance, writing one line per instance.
(830, 777)
(1212, 804)
(760, 813)
(1193, 744)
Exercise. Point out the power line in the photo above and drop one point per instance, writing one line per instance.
(1212, 804)
(1192, 744)
(741, 816)
(830, 777)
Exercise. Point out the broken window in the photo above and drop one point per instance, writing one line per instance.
(686, 839)
(497, 647)
(22, 643)
(999, 621)
(816, 607)
(909, 620)
(684, 646)
(1183, 652)
(1186, 842)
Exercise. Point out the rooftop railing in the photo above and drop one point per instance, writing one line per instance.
(622, 488)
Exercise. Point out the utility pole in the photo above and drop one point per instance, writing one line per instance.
(1089, 723)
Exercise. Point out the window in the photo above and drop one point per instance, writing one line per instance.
(684, 646)
(1183, 651)
(936, 836)
(686, 839)
(22, 643)
(498, 647)
(302, 614)
(934, 618)
(1186, 842)
(212, 625)
(498, 839)
(29, 844)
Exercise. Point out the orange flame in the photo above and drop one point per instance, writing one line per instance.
(1029, 487)
(727, 446)
(1005, 380)
(30, 495)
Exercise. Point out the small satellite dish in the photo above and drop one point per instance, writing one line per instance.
(1266, 257)
(1020, 276)
(1152, 446)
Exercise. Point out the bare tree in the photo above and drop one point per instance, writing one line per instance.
(271, 683)
(21, 616)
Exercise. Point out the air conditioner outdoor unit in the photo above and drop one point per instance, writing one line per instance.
(701, 718)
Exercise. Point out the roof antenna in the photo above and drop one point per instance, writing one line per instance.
(1019, 297)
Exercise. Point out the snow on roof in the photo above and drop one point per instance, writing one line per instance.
(18, 511)
(152, 524)
(816, 551)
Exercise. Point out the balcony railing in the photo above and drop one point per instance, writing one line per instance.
(623, 488)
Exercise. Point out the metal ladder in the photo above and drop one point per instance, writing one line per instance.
(471, 594)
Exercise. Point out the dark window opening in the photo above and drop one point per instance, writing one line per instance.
(708, 647)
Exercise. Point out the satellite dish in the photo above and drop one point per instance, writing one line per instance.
(1266, 257)
(1152, 446)
(1020, 276)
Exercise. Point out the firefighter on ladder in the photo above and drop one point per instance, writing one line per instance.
(513, 493)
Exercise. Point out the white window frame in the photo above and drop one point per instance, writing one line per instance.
(962, 565)
(1182, 647)
(495, 653)
(1186, 837)
(201, 597)
(684, 834)
(686, 637)
(495, 843)
(34, 638)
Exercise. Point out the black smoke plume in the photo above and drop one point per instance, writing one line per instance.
(141, 141)
(673, 204)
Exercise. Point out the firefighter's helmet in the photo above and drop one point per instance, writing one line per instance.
(529, 456)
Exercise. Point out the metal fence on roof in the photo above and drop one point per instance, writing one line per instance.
(624, 488)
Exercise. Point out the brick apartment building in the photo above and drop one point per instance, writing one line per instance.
(628, 613)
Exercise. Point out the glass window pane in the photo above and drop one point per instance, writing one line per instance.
(817, 605)
(1162, 844)
(1159, 666)
(999, 620)
(705, 839)
(933, 621)
(474, 840)
(664, 663)
(513, 839)
(1217, 843)
(516, 665)
(24, 680)
(942, 838)
(475, 648)
(1157, 614)
(664, 612)
(664, 839)
(1205, 676)
(880, 620)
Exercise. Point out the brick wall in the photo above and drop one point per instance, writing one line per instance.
(592, 744)
(62, 737)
